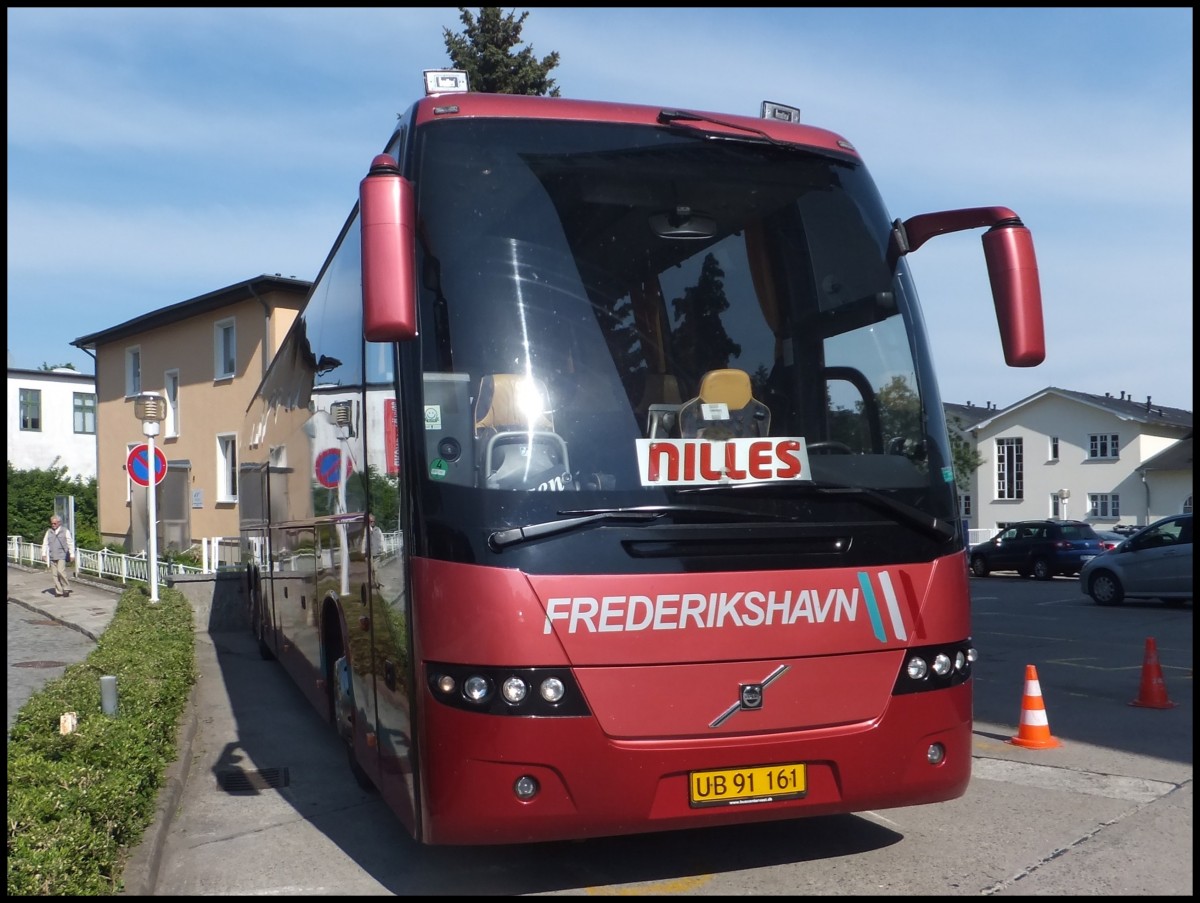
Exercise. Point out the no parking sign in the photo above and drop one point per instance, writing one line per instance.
(329, 467)
(138, 465)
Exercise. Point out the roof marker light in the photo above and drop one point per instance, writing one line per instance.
(445, 81)
(779, 112)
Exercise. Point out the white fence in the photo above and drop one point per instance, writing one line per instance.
(218, 554)
(976, 535)
(106, 564)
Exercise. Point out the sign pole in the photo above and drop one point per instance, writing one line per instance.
(151, 505)
(150, 408)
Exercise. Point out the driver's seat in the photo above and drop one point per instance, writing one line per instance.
(724, 408)
(514, 430)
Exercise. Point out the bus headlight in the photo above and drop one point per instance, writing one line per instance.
(552, 689)
(930, 668)
(514, 690)
(476, 688)
(535, 692)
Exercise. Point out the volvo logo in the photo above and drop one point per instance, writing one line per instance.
(750, 696)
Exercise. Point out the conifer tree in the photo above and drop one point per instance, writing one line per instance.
(484, 50)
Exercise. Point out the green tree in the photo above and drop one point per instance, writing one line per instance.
(484, 51)
(31, 502)
(700, 338)
(384, 494)
(963, 457)
(46, 366)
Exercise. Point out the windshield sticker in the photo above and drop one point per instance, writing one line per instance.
(743, 609)
(716, 410)
(699, 462)
(438, 468)
(433, 416)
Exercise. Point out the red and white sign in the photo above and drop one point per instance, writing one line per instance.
(328, 467)
(391, 437)
(137, 465)
(700, 462)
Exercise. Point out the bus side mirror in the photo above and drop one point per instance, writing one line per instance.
(1017, 293)
(386, 215)
(1012, 271)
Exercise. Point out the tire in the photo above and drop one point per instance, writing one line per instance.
(1042, 569)
(979, 566)
(1105, 588)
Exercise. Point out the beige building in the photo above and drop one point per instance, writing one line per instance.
(206, 356)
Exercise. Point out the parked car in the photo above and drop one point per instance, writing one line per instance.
(1041, 548)
(1110, 539)
(1127, 529)
(1154, 563)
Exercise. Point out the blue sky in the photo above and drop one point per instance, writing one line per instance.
(156, 155)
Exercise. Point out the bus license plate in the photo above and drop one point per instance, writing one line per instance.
(739, 786)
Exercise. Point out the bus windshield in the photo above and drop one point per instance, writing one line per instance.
(636, 314)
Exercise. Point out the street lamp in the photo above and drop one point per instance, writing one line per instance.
(151, 409)
(1063, 495)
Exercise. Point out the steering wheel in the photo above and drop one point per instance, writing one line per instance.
(830, 447)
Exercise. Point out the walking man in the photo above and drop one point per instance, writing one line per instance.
(57, 549)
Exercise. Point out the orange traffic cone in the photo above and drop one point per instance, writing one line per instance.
(1034, 730)
(1153, 692)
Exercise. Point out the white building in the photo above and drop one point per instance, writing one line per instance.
(52, 420)
(1105, 459)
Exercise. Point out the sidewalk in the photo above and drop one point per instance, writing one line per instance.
(88, 609)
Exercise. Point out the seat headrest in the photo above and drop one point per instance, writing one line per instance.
(512, 401)
(730, 386)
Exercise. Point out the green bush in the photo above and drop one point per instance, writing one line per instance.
(78, 804)
(31, 502)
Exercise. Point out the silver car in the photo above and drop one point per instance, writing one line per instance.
(1154, 563)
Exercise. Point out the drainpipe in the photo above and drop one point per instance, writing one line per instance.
(1146, 486)
(267, 352)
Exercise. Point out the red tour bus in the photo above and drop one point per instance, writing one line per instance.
(603, 485)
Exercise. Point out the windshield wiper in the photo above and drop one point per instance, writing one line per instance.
(669, 117)
(903, 512)
(501, 538)
(581, 517)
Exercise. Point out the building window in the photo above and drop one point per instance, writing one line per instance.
(31, 409)
(1187, 505)
(1010, 469)
(964, 505)
(1055, 506)
(1103, 445)
(84, 407)
(171, 385)
(227, 467)
(225, 349)
(129, 447)
(1054, 448)
(1102, 504)
(133, 371)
